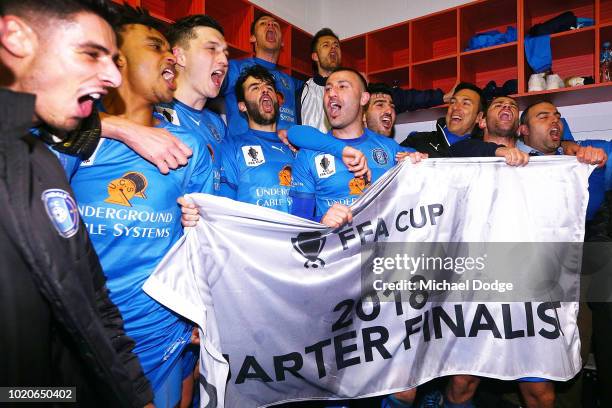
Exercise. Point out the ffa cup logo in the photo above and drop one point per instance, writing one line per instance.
(326, 165)
(122, 190)
(62, 210)
(380, 156)
(309, 245)
(284, 176)
(168, 114)
(253, 156)
(213, 130)
(357, 185)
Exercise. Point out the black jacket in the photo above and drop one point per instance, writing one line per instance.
(59, 327)
(433, 143)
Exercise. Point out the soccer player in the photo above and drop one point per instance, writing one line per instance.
(321, 189)
(129, 207)
(59, 327)
(258, 165)
(326, 56)
(380, 115)
(267, 41)
(201, 63)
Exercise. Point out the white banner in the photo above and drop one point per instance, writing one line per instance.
(282, 299)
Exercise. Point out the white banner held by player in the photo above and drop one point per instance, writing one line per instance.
(280, 297)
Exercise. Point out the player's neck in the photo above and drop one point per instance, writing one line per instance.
(123, 103)
(267, 55)
(352, 131)
(262, 128)
(323, 72)
(189, 96)
(500, 140)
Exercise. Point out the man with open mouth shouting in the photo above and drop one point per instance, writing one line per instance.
(130, 209)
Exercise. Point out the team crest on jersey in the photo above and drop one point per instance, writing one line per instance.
(380, 156)
(62, 210)
(357, 185)
(122, 190)
(253, 156)
(284, 176)
(169, 114)
(214, 131)
(326, 165)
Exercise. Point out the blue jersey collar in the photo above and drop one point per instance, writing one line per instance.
(264, 63)
(270, 136)
(452, 138)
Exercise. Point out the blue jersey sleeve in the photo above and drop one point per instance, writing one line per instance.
(567, 132)
(308, 137)
(304, 208)
(231, 170)
(201, 177)
(302, 181)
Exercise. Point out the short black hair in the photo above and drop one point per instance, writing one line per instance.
(128, 15)
(354, 71)
(472, 87)
(256, 71)
(523, 119)
(324, 32)
(254, 23)
(57, 9)
(183, 29)
(380, 88)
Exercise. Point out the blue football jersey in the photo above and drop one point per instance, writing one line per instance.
(258, 167)
(286, 87)
(130, 211)
(319, 175)
(203, 123)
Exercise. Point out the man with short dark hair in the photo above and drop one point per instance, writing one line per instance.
(266, 37)
(257, 164)
(321, 189)
(130, 208)
(59, 326)
(380, 114)
(465, 110)
(200, 50)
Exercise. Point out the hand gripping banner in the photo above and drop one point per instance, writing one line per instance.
(386, 303)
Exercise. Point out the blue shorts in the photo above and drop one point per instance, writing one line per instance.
(169, 393)
(189, 359)
(533, 379)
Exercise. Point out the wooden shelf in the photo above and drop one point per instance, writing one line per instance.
(539, 11)
(498, 64)
(300, 51)
(441, 73)
(434, 36)
(605, 11)
(396, 76)
(354, 52)
(388, 48)
(482, 16)
(512, 44)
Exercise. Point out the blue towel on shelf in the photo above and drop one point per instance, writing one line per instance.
(491, 38)
(538, 53)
